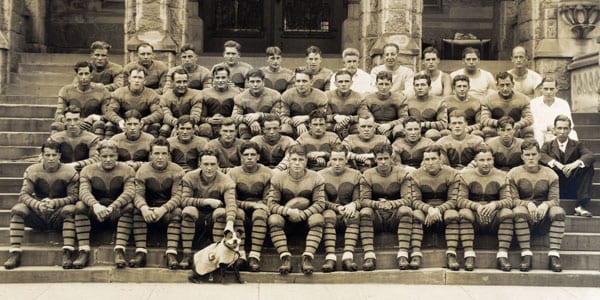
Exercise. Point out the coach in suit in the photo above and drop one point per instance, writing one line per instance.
(573, 162)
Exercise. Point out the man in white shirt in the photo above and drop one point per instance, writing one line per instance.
(401, 76)
(361, 80)
(526, 80)
(545, 109)
(482, 82)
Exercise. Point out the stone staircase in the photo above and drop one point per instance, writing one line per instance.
(26, 113)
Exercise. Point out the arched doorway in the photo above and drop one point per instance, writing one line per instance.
(290, 24)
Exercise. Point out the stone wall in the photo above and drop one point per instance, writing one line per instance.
(585, 83)
(72, 25)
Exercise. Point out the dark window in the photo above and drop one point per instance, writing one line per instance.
(239, 15)
(306, 16)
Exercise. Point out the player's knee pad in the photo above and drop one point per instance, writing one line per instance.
(110, 126)
(190, 213)
(219, 213)
(520, 213)
(445, 132)
(329, 216)
(175, 215)
(205, 130)
(556, 213)
(276, 220)
(366, 212)
(20, 210)
(489, 132)
(152, 129)
(57, 126)
(404, 211)
(67, 211)
(418, 216)
(352, 220)
(466, 214)
(505, 214)
(260, 214)
(433, 134)
(129, 208)
(450, 216)
(165, 130)
(81, 208)
(526, 132)
(316, 220)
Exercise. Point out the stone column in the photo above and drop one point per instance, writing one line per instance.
(505, 22)
(351, 26)
(161, 23)
(37, 11)
(5, 11)
(397, 21)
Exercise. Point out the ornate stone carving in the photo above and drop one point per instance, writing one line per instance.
(582, 16)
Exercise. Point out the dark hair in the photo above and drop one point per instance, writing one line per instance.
(430, 50)
(461, 77)
(133, 113)
(51, 144)
(218, 68)
(207, 152)
(227, 122)
(232, 43)
(160, 141)
(255, 73)
(548, 79)
(483, 148)
(249, 145)
(506, 120)
(138, 68)
(302, 70)
(298, 149)
(383, 148)
(562, 118)
(387, 75)
(187, 47)
(339, 148)
(184, 119)
(313, 49)
(529, 144)
(273, 50)
(422, 75)
(434, 148)
(457, 113)
(411, 120)
(317, 114)
(271, 118)
(144, 45)
(82, 64)
(390, 45)
(100, 45)
(74, 109)
(504, 75)
(342, 72)
(470, 50)
(180, 71)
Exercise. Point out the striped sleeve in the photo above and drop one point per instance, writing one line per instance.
(318, 198)
(27, 194)
(229, 199)
(463, 200)
(405, 193)
(72, 192)
(128, 193)
(452, 192)
(85, 187)
(175, 200)
(274, 197)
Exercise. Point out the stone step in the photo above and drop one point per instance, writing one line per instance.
(429, 276)
(592, 144)
(570, 204)
(27, 125)
(595, 190)
(572, 241)
(596, 173)
(9, 138)
(19, 152)
(386, 260)
(8, 200)
(27, 111)
(33, 90)
(24, 99)
(25, 68)
(67, 59)
(39, 78)
(11, 184)
(13, 168)
(586, 119)
(588, 131)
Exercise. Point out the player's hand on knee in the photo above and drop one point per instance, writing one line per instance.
(159, 213)
(540, 212)
(255, 127)
(294, 215)
(213, 203)
(349, 210)
(433, 215)
(147, 214)
(489, 209)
